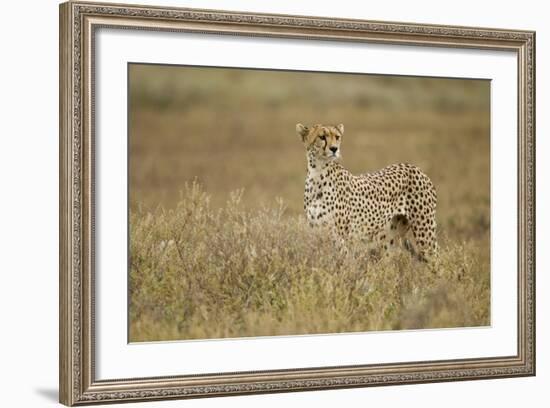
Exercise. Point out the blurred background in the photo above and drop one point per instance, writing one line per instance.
(235, 128)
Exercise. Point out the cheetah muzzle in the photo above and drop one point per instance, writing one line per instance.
(390, 207)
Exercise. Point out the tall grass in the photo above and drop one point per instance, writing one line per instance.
(209, 263)
(198, 271)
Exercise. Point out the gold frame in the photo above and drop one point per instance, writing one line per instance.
(78, 22)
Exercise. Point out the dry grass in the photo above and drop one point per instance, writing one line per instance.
(199, 272)
(211, 267)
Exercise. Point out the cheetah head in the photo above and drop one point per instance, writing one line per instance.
(323, 141)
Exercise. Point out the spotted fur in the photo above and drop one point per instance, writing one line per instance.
(393, 206)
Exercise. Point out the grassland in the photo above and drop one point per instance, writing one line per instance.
(218, 245)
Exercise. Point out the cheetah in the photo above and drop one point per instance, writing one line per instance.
(394, 206)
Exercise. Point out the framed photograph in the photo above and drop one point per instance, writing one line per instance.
(256, 203)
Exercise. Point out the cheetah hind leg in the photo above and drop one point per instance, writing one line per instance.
(398, 235)
(423, 244)
(393, 235)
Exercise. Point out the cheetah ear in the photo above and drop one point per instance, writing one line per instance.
(340, 128)
(302, 131)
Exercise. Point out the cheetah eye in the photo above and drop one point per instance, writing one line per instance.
(322, 137)
(337, 137)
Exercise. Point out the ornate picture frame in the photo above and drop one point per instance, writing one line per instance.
(79, 22)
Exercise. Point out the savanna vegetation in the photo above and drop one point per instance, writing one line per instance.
(218, 243)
